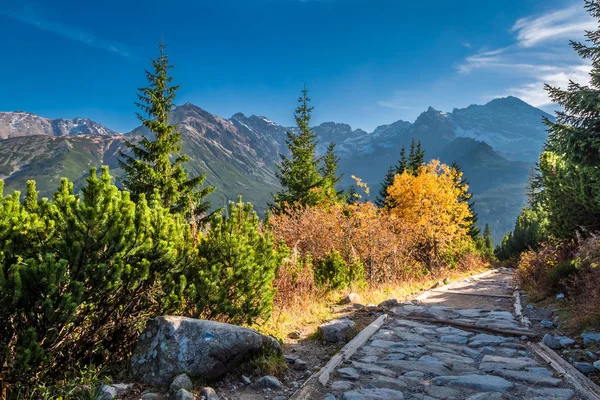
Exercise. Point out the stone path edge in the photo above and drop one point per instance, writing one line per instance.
(305, 391)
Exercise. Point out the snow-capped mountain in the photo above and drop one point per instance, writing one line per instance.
(20, 123)
(496, 144)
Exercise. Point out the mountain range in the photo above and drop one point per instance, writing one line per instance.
(496, 145)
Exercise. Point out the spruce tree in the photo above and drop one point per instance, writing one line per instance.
(388, 180)
(416, 157)
(299, 174)
(156, 163)
(329, 172)
(487, 240)
(474, 231)
(570, 163)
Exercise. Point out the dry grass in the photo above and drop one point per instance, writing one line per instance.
(307, 312)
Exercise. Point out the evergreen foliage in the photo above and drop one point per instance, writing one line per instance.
(333, 272)
(531, 229)
(415, 159)
(329, 172)
(300, 175)
(569, 166)
(80, 275)
(157, 164)
(231, 278)
(488, 243)
(474, 231)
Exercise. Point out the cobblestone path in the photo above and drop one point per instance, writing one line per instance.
(413, 358)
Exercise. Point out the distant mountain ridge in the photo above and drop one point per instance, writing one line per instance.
(496, 144)
(21, 123)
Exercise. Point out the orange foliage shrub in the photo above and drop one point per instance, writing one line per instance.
(428, 205)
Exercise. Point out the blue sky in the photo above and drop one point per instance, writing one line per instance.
(366, 62)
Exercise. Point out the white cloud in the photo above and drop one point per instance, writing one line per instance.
(540, 54)
(559, 24)
(33, 15)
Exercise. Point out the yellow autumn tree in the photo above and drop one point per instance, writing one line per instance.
(429, 204)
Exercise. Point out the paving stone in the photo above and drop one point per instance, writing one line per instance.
(414, 374)
(540, 370)
(442, 392)
(342, 386)
(425, 367)
(473, 353)
(329, 396)
(462, 368)
(483, 339)
(487, 396)
(551, 393)
(373, 394)
(529, 377)
(585, 368)
(385, 344)
(521, 362)
(385, 382)
(452, 358)
(369, 359)
(372, 369)
(396, 356)
(476, 382)
(349, 373)
(449, 330)
(458, 339)
(597, 365)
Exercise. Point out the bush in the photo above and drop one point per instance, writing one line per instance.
(332, 272)
(80, 275)
(231, 276)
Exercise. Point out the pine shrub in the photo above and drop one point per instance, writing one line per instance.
(231, 278)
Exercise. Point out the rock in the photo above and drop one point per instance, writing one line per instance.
(337, 330)
(530, 306)
(590, 337)
(551, 393)
(107, 393)
(209, 393)
(385, 382)
(183, 394)
(431, 368)
(351, 298)
(279, 398)
(181, 381)
(529, 377)
(486, 396)
(151, 396)
(202, 349)
(557, 342)
(289, 359)
(246, 380)
(328, 396)
(560, 296)
(456, 339)
(372, 369)
(483, 339)
(547, 324)
(373, 394)
(590, 355)
(585, 368)
(342, 386)
(267, 382)
(540, 370)
(349, 373)
(446, 281)
(486, 383)
(597, 365)
(295, 335)
(414, 374)
(390, 303)
(300, 365)
(122, 388)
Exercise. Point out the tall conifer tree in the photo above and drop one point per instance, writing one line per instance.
(299, 174)
(388, 180)
(474, 231)
(329, 172)
(156, 162)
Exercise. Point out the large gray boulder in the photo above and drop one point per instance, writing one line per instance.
(207, 350)
(337, 330)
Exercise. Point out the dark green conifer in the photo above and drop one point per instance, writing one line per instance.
(299, 174)
(156, 162)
